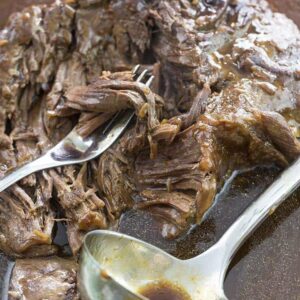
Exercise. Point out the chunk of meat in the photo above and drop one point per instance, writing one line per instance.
(177, 209)
(77, 195)
(50, 278)
(26, 219)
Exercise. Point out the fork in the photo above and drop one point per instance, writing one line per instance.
(75, 149)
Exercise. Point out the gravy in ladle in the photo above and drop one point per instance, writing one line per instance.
(164, 290)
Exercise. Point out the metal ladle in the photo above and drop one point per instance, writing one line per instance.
(115, 266)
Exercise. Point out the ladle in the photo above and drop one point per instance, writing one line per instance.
(115, 266)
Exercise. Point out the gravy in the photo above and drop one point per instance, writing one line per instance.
(164, 290)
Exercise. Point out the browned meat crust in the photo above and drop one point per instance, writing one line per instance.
(226, 96)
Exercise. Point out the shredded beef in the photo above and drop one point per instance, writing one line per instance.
(225, 96)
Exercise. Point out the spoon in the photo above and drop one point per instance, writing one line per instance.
(115, 266)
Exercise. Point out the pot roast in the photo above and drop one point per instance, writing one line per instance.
(226, 96)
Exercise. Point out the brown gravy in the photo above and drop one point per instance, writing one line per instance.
(164, 290)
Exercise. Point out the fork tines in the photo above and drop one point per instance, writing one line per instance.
(139, 77)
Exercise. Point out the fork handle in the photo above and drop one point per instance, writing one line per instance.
(41, 163)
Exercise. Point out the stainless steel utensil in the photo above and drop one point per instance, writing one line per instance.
(115, 266)
(74, 149)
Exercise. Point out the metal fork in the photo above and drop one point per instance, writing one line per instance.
(74, 149)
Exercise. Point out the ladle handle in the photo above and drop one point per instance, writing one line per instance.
(258, 211)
